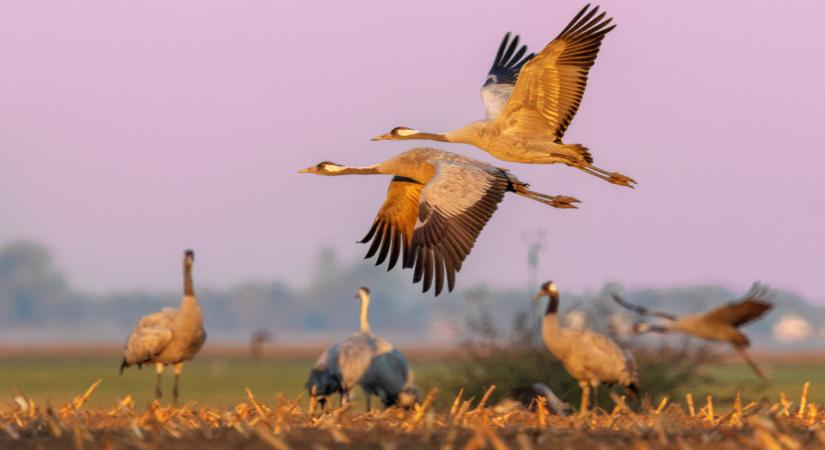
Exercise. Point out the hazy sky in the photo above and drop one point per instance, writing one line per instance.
(131, 130)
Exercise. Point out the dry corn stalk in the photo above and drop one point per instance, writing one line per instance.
(804, 399)
(542, 411)
(486, 397)
(79, 400)
(662, 405)
(420, 410)
(709, 409)
(689, 400)
(456, 402)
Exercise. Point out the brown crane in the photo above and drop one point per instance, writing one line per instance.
(169, 336)
(589, 357)
(531, 100)
(436, 206)
(719, 324)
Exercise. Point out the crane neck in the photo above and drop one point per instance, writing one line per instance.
(658, 329)
(471, 133)
(333, 170)
(365, 170)
(553, 304)
(188, 284)
(365, 306)
(429, 137)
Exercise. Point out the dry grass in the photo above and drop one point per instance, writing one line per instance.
(467, 424)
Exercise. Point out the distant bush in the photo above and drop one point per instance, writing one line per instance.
(511, 358)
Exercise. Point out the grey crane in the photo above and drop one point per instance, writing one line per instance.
(589, 357)
(169, 336)
(366, 360)
(530, 101)
(719, 324)
(436, 206)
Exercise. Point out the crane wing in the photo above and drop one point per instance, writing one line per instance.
(149, 338)
(640, 309)
(751, 307)
(354, 356)
(605, 358)
(453, 208)
(436, 224)
(503, 74)
(550, 86)
(392, 229)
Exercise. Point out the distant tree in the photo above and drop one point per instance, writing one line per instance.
(31, 288)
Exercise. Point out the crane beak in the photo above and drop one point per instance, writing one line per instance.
(382, 137)
(538, 295)
(311, 169)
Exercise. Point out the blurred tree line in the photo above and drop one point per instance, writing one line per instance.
(36, 302)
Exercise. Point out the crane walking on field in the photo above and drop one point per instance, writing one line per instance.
(169, 336)
(530, 101)
(589, 357)
(719, 324)
(436, 206)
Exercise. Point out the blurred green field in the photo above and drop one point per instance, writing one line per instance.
(210, 380)
(219, 380)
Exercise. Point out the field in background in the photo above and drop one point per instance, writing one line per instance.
(218, 378)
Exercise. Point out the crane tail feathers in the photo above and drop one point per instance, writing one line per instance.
(577, 151)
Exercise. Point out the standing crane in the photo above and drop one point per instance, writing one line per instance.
(169, 336)
(531, 101)
(719, 324)
(436, 206)
(589, 357)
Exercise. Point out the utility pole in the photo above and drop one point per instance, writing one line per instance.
(535, 245)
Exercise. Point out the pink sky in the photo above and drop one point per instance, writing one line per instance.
(131, 130)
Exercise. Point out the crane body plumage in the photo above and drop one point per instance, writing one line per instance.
(390, 378)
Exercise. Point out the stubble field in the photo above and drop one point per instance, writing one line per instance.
(47, 403)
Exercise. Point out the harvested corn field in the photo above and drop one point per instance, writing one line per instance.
(466, 424)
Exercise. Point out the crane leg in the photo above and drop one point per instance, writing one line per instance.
(159, 372)
(369, 402)
(610, 177)
(585, 386)
(750, 362)
(178, 370)
(595, 404)
(345, 398)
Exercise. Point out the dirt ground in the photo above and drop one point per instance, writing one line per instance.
(382, 438)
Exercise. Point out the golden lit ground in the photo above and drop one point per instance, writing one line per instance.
(466, 424)
(118, 412)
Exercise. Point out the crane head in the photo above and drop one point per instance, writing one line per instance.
(548, 288)
(397, 134)
(641, 327)
(323, 168)
(408, 397)
(362, 292)
(189, 256)
(324, 382)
